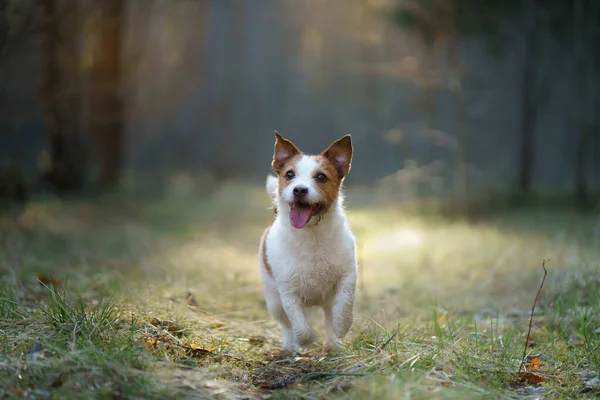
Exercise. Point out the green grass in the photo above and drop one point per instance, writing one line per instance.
(164, 301)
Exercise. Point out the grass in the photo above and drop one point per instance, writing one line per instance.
(164, 301)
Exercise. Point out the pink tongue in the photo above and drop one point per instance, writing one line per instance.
(299, 215)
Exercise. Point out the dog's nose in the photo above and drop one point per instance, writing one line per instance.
(300, 191)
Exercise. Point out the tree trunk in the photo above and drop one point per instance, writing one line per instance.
(459, 129)
(224, 164)
(528, 111)
(67, 172)
(106, 104)
(581, 184)
(585, 78)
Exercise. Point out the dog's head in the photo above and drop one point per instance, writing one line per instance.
(310, 184)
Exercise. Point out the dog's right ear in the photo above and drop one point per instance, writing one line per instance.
(284, 150)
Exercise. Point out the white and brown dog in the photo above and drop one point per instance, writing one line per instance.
(307, 255)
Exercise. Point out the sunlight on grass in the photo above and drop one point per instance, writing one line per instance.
(441, 312)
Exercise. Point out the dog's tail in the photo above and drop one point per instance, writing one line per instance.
(271, 186)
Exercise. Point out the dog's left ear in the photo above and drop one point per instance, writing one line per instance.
(284, 150)
(340, 154)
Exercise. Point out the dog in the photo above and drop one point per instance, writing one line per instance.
(307, 255)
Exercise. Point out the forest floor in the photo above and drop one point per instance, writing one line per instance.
(129, 298)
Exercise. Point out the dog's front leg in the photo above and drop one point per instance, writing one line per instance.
(295, 311)
(343, 306)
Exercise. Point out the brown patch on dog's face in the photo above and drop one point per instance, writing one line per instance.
(327, 180)
(287, 167)
(310, 184)
(283, 153)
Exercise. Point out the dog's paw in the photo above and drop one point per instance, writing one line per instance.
(289, 352)
(333, 344)
(290, 348)
(306, 338)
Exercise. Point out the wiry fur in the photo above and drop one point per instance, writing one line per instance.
(315, 265)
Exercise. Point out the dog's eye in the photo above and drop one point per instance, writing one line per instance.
(321, 178)
(289, 175)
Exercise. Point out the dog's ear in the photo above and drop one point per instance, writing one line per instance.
(340, 155)
(284, 150)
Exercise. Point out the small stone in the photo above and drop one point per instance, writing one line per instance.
(592, 383)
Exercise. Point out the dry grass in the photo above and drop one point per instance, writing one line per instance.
(162, 299)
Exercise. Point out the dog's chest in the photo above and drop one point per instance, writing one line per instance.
(310, 268)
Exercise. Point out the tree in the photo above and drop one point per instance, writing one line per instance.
(444, 21)
(528, 108)
(67, 169)
(106, 103)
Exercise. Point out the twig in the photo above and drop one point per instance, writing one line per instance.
(389, 340)
(73, 344)
(537, 296)
(288, 380)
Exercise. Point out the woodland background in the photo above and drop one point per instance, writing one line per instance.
(459, 98)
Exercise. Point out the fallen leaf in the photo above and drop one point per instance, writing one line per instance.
(42, 278)
(198, 351)
(46, 280)
(149, 342)
(256, 341)
(191, 300)
(535, 363)
(200, 348)
(305, 360)
(530, 378)
(58, 381)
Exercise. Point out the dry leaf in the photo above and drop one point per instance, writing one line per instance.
(256, 341)
(199, 348)
(535, 363)
(58, 381)
(198, 351)
(305, 360)
(149, 342)
(46, 280)
(530, 378)
(191, 300)
(42, 278)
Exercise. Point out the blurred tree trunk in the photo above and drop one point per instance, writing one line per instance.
(528, 110)
(223, 167)
(3, 27)
(106, 104)
(67, 166)
(585, 78)
(459, 129)
(456, 86)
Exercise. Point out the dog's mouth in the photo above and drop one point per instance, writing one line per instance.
(301, 213)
